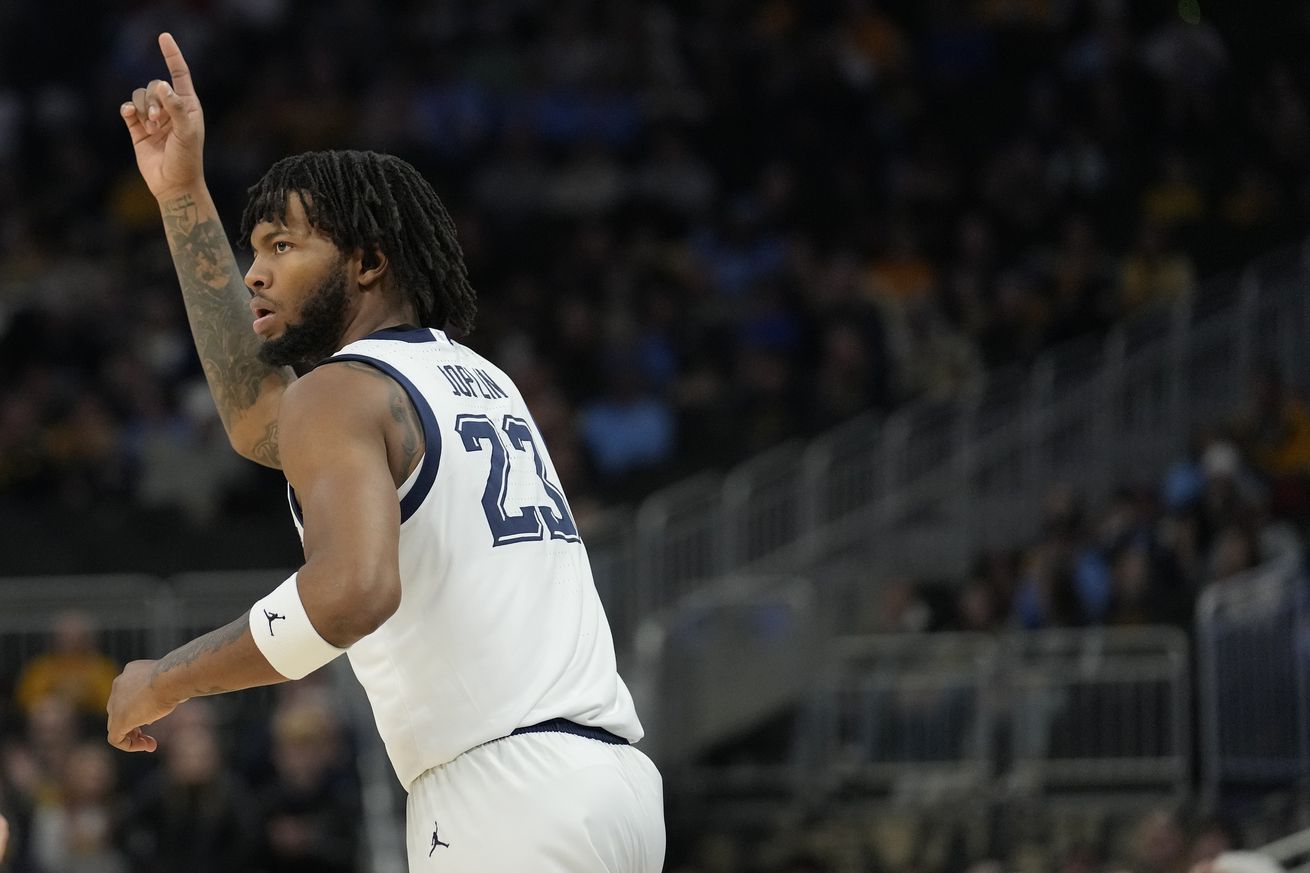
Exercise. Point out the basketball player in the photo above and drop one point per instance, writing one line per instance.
(440, 553)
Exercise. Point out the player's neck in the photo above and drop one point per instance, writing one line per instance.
(366, 323)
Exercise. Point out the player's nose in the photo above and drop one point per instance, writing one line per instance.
(257, 278)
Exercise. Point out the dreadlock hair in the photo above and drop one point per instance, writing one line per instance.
(365, 200)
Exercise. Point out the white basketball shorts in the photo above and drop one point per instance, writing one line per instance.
(546, 802)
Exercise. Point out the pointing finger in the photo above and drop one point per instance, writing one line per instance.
(177, 67)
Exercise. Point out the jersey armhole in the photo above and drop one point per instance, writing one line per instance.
(420, 482)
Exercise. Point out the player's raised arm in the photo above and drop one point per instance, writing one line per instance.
(167, 128)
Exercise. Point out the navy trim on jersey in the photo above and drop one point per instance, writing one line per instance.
(295, 505)
(564, 726)
(404, 333)
(431, 435)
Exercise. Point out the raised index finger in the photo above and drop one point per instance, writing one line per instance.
(177, 67)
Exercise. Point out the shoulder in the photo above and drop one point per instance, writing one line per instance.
(343, 394)
(334, 381)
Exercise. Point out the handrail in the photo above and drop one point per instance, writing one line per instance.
(1259, 614)
(1288, 847)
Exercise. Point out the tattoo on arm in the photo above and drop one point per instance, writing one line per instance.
(210, 692)
(265, 451)
(215, 297)
(409, 431)
(411, 441)
(184, 656)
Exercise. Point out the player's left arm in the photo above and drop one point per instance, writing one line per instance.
(334, 453)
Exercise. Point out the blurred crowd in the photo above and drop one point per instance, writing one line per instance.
(265, 782)
(1238, 499)
(1091, 839)
(697, 228)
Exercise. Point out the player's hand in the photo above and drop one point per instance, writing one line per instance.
(167, 127)
(4, 836)
(133, 705)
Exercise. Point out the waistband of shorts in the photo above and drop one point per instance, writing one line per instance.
(564, 726)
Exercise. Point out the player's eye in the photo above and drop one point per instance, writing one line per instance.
(281, 246)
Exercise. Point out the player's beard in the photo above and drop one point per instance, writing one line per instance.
(322, 323)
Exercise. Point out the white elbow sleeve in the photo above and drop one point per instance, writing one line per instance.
(283, 632)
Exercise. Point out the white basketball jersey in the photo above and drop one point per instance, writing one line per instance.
(499, 625)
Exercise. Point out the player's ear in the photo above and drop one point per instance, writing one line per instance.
(372, 266)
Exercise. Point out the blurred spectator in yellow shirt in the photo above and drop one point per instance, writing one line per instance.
(1175, 197)
(73, 669)
(1155, 273)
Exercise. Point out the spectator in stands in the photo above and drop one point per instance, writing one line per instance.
(1253, 205)
(854, 371)
(1275, 432)
(1174, 199)
(976, 609)
(631, 429)
(1016, 322)
(310, 814)
(764, 404)
(23, 461)
(898, 607)
(1147, 590)
(73, 669)
(85, 444)
(1159, 844)
(191, 815)
(74, 831)
(1155, 274)
(1234, 551)
(1046, 596)
(901, 277)
(1213, 837)
(1081, 280)
(936, 362)
(1227, 500)
(34, 763)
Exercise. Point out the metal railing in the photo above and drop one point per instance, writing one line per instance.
(931, 484)
(924, 718)
(1292, 851)
(727, 661)
(1105, 707)
(1253, 642)
(905, 714)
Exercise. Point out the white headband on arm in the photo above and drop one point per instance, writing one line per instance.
(283, 632)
